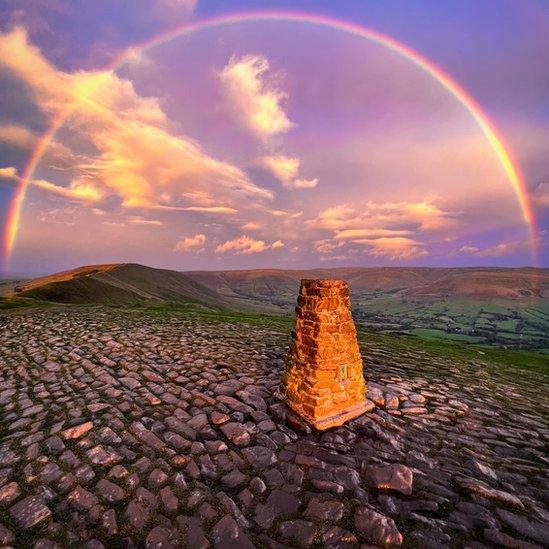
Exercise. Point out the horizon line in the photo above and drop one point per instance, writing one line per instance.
(17, 275)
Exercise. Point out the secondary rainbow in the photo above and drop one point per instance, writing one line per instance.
(502, 152)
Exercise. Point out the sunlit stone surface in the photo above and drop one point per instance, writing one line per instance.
(324, 382)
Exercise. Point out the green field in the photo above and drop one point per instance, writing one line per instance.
(500, 323)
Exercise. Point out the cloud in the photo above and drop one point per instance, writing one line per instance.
(189, 5)
(256, 101)
(251, 226)
(113, 223)
(497, 250)
(286, 170)
(540, 195)
(246, 245)
(327, 246)
(429, 216)
(139, 158)
(334, 258)
(393, 244)
(9, 173)
(211, 209)
(191, 243)
(39, 13)
(198, 197)
(59, 216)
(242, 245)
(384, 230)
(254, 96)
(285, 214)
(468, 250)
(283, 168)
(353, 234)
(136, 220)
(424, 215)
(393, 247)
(305, 183)
(21, 137)
(78, 190)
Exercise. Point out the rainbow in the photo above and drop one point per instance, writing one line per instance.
(502, 152)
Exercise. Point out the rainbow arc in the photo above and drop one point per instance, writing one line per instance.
(496, 141)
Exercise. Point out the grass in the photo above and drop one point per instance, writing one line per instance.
(221, 315)
(499, 322)
(459, 352)
(433, 333)
(15, 302)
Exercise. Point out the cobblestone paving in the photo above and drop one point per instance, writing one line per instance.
(123, 429)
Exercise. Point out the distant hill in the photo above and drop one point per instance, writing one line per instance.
(280, 286)
(129, 282)
(496, 306)
(120, 284)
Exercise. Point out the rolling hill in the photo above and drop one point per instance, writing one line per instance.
(498, 306)
(120, 284)
(280, 286)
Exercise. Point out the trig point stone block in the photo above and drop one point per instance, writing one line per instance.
(323, 381)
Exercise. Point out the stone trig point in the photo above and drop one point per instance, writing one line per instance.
(323, 381)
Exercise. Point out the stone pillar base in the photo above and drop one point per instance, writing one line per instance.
(336, 419)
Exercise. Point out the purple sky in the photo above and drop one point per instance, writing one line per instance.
(276, 144)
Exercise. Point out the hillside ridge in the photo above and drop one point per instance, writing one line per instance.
(494, 306)
(516, 282)
(120, 284)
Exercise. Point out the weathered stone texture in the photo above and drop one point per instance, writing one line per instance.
(324, 382)
(218, 463)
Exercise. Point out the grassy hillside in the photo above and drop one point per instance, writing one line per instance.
(119, 284)
(484, 282)
(495, 306)
(490, 306)
(515, 323)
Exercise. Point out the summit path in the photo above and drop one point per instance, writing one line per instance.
(128, 428)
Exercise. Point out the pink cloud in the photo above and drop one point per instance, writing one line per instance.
(191, 243)
(254, 96)
(141, 161)
(497, 250)
(247, 245)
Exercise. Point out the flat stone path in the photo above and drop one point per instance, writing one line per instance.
(122, 428)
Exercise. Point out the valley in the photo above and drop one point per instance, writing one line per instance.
(506, 308)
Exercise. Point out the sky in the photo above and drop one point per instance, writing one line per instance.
(272, 143)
